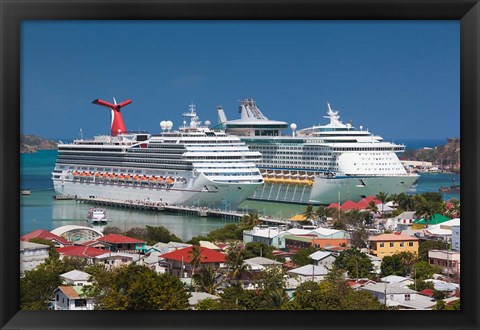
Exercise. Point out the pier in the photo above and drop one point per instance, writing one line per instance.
(179, 209)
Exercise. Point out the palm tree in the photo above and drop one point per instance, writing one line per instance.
(250, 220)
(382, 197)
(205, 280)
(426, 210)
(197, 257)
(235, 263)
(309, 213)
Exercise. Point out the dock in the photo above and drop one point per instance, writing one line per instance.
(178, 209)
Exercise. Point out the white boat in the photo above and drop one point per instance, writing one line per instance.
(97, 215)
(320, 164)
(192, 166)
(25, 192)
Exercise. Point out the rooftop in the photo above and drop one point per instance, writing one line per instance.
(391, 237)
(119, 239)
(185, 255)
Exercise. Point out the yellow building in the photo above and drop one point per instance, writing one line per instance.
(388, 244)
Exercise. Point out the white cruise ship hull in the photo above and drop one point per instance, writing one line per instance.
(325, 191)
(197, 191)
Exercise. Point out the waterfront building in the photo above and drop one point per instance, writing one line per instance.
(32, 255)
(121, 243)
(389, 244)
(46, 235)
(77, 234)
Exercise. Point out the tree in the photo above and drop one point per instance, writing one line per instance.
(249, 221)
(37, 288)
(138, 233)
(235, 263)
(209, 305)
(392, 265)
(206, 280)
(408, 260)
(356, 263)
(382, 197)
(196, 258)
(423, 270)
(256, 249)
(273, 284)
(301, 258)
(309, 213)
(425, 246)
(328, 295)
(136, 287)
(160, 234)
(359, 237)
(112, 230)
(372, 207)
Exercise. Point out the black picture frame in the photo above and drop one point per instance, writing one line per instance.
(12, 14)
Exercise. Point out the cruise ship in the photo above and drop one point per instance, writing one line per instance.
(318, 165)
(191, 166)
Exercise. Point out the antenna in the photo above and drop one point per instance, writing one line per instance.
(117, 126)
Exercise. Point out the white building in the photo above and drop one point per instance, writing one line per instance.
(76, 278)
(323, 258)
(309, 273)
(71, 298)
(32, 255)
(395, 295)
(116, 259)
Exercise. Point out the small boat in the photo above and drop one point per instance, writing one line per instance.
(454, 188)
(25, 192)
(97, 215)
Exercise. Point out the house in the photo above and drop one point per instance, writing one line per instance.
(395, 295)
(323, 258)
(376, 262)
(435, 219)
(72, 298)
(210, 245)
(400, 280)
(309, 273)
(117, 259)
(196, 297)
(169, 247)
(265, 235)
(264, 262)
(121, 243)
(447, 259)
(179, 261)
(76, 278)
(46, 235)
(403, 221)
(84, 252)
(32, 255)
(389, 244)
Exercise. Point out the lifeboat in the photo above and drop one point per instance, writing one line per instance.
(170, 181)
(97, 174)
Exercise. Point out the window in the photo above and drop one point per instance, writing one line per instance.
(392, 244)
(407, 297)
(382, 244)
(410, 243)
(402, 244)
(58, 297)
(80, 302)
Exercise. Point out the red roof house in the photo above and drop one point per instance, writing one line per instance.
(183, 257)
(80, 251)
(121, 243)
(46, 235)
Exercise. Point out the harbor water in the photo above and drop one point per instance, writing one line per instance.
(40, 211)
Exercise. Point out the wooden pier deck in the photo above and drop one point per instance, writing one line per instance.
(179, 209)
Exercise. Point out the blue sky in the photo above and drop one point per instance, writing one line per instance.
(399, 79)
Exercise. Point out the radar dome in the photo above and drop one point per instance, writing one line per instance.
(163, 125)
(293, 126)
(169, 125)
(207, 123)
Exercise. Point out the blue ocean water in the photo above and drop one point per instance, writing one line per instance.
(40, 211)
